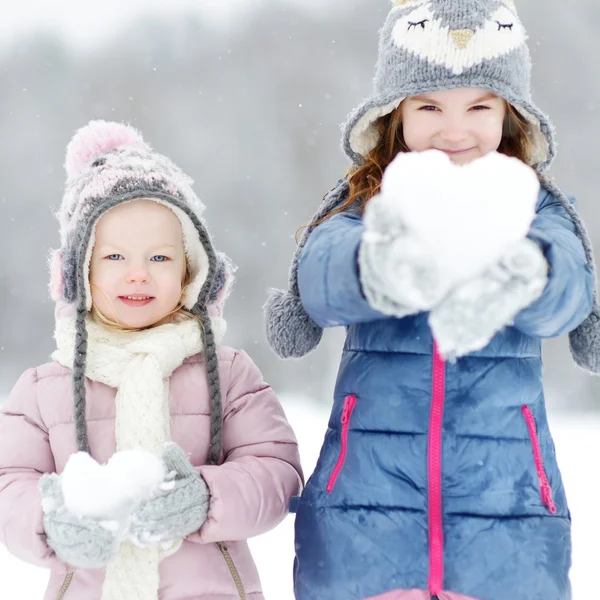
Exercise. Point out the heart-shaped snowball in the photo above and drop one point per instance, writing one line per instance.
(464, 215)
(109, 491)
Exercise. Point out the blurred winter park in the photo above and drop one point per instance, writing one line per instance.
(247, 97)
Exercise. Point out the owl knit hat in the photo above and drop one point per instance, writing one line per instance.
(108, 164)
(426, 46)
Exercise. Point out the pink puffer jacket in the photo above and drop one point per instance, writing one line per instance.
(250, 491)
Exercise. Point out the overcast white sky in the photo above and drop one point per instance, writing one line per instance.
(85, 21)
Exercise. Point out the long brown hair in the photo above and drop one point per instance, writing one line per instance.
(365, 179)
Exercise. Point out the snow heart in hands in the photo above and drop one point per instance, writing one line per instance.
(464, 215)
(112, 490)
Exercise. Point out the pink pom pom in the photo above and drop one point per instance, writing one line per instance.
(98, 138)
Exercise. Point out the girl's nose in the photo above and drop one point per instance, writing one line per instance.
(453, 132)
(138, 276)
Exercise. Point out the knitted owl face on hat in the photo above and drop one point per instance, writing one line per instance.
(427, 46)
(431, 45)
(109, 164)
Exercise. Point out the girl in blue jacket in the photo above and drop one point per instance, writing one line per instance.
(438, 477)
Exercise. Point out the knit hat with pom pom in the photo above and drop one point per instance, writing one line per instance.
(108, 164)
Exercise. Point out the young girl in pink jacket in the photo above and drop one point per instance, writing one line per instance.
(138, 462)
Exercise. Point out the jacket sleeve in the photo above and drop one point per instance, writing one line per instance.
(328, 274)
(25, 454)
(251, 490)
(568, 296)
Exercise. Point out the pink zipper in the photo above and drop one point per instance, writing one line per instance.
(436, 532)
(545, 489)
(349, 404)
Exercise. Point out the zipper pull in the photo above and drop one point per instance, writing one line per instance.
(547, 498)
(348, 406)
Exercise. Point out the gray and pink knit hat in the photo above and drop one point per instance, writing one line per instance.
(108, 164)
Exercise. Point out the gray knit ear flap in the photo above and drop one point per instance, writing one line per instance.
(223, 279)
(584, 341)
(291, 332)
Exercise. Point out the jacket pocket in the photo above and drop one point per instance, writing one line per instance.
(65, 586)
(349, 404)
(545, 489)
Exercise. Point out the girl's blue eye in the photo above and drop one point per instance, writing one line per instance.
(160, 258)
(429, 107)
(114, 257)
(481, 107)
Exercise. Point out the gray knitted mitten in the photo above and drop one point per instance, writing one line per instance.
(469, 317)
(78, 541)
(177, 509)
(399, 276)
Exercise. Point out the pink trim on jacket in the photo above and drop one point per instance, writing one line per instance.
(545, 489)
(415, 594)
(436, 532)
(349, 404)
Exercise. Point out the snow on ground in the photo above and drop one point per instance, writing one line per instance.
(577, 440)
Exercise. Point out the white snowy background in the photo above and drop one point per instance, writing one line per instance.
(247, 96)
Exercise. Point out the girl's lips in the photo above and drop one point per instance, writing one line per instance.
(455, 152)
(132, 301)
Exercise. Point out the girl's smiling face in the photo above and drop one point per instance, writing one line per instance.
(465, 123)
(138, 264)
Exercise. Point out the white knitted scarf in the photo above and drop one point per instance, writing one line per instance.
(138, 364)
